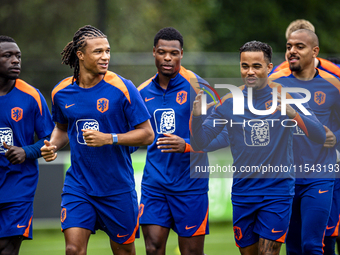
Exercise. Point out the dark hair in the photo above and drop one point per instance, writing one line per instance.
(69, 53)
(5, 38)
(258, 46)
(169, 34)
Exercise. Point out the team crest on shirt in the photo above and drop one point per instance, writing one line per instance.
(237, 233)
(102, 105)
(165, 120)
(182, 97)
(268, 104)
(319, 97)
(257, 133)
(16, 113)
(6, 135)
(85, 124)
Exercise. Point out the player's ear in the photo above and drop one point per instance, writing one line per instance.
(154, 51)
(269, 67)
(316, 50)
(80, 55)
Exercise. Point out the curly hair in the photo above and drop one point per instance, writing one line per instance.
(168, 34)
(259, 47)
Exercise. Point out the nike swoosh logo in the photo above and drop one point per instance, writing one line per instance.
(67, 106)
(19, 226)
(187, 228)
(322, 191)
(276, 231)
(119, 236)
(329, 227)
(148, 99)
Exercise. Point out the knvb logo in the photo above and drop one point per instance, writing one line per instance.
(238, 100)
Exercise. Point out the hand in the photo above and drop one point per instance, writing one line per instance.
(291, 113)
(210, 105)
(94, 138)
(330, 138)
(172, 143)
(14, 154)
(48, 151)
(197, 104)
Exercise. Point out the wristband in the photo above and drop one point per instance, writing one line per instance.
(114, 138)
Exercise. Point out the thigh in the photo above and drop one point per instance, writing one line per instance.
(244, 218)
(293, 241)
(16, 219)
(332, 228)
(190, 214)
(315, 209)
(155, 238)
(191, 245)
(76, 240)
(10, 245)
(269, 247)
(123, 249)
(77, 212)
(273, 218)
(118, 216)
(155, 210)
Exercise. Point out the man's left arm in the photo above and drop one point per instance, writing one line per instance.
(17, 155)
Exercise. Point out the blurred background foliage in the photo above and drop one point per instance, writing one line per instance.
(213, 31)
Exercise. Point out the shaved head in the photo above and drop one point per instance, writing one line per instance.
(312, 37)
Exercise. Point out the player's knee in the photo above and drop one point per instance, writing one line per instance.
(153, 247)
(72, 249)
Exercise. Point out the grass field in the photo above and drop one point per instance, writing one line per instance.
(51, 242)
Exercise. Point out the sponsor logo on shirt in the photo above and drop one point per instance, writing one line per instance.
(16, 113)
(68, 106)
(259, 133)
(298, 131)
(6, 135)
(165, 120)
(102, 105)
(85, 124)
(148, 99)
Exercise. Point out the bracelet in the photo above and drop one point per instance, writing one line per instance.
(114, 138)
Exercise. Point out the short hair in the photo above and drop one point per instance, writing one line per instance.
(312, 36)
(168, 34)
(5, 38)
(258, 46)
(299, 24)
(69, 53)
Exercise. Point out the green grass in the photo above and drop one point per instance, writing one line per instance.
(51, 242)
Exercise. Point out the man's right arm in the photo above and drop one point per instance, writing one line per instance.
(59, 139)
(203, 132)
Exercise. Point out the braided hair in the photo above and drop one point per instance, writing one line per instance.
(69, 53)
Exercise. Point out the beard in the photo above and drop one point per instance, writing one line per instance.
(295, 68)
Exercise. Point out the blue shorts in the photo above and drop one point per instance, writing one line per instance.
(16, 219)
(257, 217)
(332, 228)
(310, 214)
(116, 215)
(187, 215)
